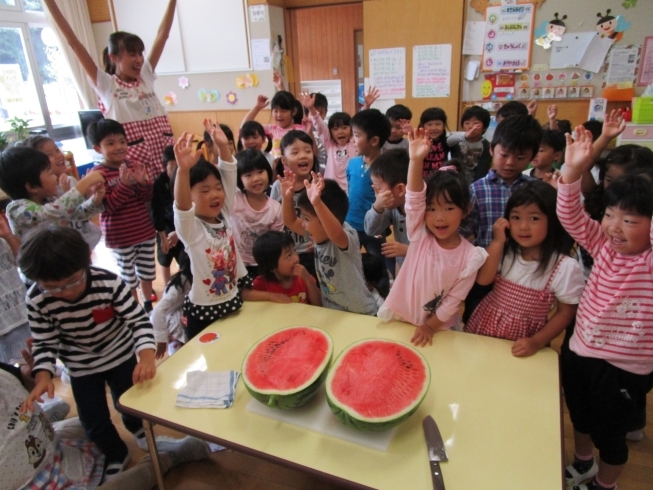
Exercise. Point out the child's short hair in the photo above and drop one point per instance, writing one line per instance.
(21, 166)
(321, 102)
(252, 128)
(168, 155)
(373, 268)
(35, 142)
(451, 185)
(398, 112)
(391, 167)
(518, 133)
(433, 114)
(595, 127)
(53, 253)
(338, 119)
(631, 158)
(98, 130)
(564, 126)
(333, 197)
(512, 108)
(479, 113)
(557, 241)
(201, 171)
(283, 100)
(553, 138)
(632, 193)
(267, 251)
(288, 139)
(248, 160)
(373, 123)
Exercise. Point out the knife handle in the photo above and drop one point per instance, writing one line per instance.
(436, 475)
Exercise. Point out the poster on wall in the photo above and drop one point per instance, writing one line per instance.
(388, 72)
(508, 37)
(432, 70)
(622, 64)
(646, 66)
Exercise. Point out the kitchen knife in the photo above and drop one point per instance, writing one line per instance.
(436, 451)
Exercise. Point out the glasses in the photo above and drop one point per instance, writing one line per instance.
(67, 287)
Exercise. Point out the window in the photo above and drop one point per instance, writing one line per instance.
(35, 80)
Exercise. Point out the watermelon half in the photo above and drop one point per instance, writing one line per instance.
(376, 384)
(285, 369)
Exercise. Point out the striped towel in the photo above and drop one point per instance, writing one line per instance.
(208, 389)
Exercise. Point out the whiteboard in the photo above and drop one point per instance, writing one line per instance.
(206, 35)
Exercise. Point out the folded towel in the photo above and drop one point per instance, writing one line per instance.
(208, 389)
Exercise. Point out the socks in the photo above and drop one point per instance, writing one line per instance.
(599, 485)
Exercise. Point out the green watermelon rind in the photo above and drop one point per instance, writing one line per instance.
(293, 398)
(358, 422)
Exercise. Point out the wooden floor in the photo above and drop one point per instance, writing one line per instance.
(229, 470)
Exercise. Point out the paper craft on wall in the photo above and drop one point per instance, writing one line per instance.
(499, 86)
(388, 72)
(170, 98)
(206, 95)
(508, 37)
(610, 26)
(629, 3)
(583, 50)
(183, 82)
(550, 31)
(232, 98)
(247, 81)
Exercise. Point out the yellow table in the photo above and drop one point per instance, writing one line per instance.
(499, 415)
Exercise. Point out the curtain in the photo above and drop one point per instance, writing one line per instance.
(76, 13)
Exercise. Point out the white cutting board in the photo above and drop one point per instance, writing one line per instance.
(318, 417)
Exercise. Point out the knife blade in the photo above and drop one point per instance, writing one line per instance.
(436, 451)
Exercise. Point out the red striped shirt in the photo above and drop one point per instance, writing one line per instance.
(126, 220)
(615, 315)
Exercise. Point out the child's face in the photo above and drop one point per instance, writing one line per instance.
(628, 233)
(611, 173)
(287, 262)
(312, 225)
(171, 166)
(470, 123)
(398, 191)
(256, 181)
(396, 133)
(545, 158)
(282, 117)
(443, 219)
(255, 142)
(363, 144)
(128, 64)
(341, 134)
(528, 226)
(49, 185)
(113, 149)
(57, 159)
(298, 157)
(70, 289)
(509, 164)
(434, 128)
(208, 197)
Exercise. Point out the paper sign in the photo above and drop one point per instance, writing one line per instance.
(261, 59)
(583, 50)
(474, 33)
(257, 13)
(595, 55)
(598, 107)
(646, 67)
(508, 37)
(432, 70)
(388, 72)
(622, 66)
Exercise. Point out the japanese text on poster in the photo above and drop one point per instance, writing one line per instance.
(432, 70)
(388, 72)
(508, 37)
(621, 67)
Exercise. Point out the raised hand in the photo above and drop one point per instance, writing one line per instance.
(406, 126)
(500, 230)
(578, 155)
(614, 124)
(184, 154)
(419, 144)
(287, 183)
(552, 112)
(370, 95)
(475, 132)
(262, 102)
(307, 100)
(64, 182)
(217, 135)
(307, 124)
(314, 189)
(125, 175)
(384, 200)
(277, 80)
(532, 107)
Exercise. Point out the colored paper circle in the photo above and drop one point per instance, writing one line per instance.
(209, 337)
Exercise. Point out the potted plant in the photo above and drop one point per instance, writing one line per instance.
(20, 127)
(3, 141)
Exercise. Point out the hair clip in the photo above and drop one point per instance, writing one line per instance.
(449, 167)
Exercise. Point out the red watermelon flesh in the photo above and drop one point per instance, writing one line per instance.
(287, 360)
(379, 379)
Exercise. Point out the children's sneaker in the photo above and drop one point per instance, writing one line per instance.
(636, 435)
(65, 377)
(183, 450)
(579, 471)
(114, 467)
(592, 485)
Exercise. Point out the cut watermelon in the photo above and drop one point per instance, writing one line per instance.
(376, 384)
(285, 369)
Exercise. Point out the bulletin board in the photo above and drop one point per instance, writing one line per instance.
(571, 84)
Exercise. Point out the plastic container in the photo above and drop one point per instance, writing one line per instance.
(643, 110)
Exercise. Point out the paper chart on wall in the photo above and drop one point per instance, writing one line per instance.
(388, 72)
(646, 67)
(508, 37)
(432, 70)
(622, 66)
(261, 59)
(474, 34)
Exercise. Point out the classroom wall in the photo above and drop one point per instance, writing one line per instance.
(398, 23)
(581, 17)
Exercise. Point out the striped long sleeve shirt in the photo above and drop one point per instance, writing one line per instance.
(97, 332)
(615, 314)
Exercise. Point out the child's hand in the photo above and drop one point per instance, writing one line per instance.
(160, 349)
(475, 132)
(139, 174)
(552, 178)
(314, 189)
(280, 298)
(184, 154)
(92, 178)
(277, 80)
(578, 153)
(125, 175)
(173, 239)
(394, 249)
(98, 192)
(287, 182)
(613, 125)
(423, 335)
(217, 135)
(384, 200)
(552, 112)
(525, 347)
(165, 245)
(420, 144)
(370, 96)
(307, 124)
(5, 230)
(145, 369)
(262, 102)
(307, 100)
(532, 107)
(43, 385)
(64, 182)
(500, 230)
(406, 126)
(300, 271)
